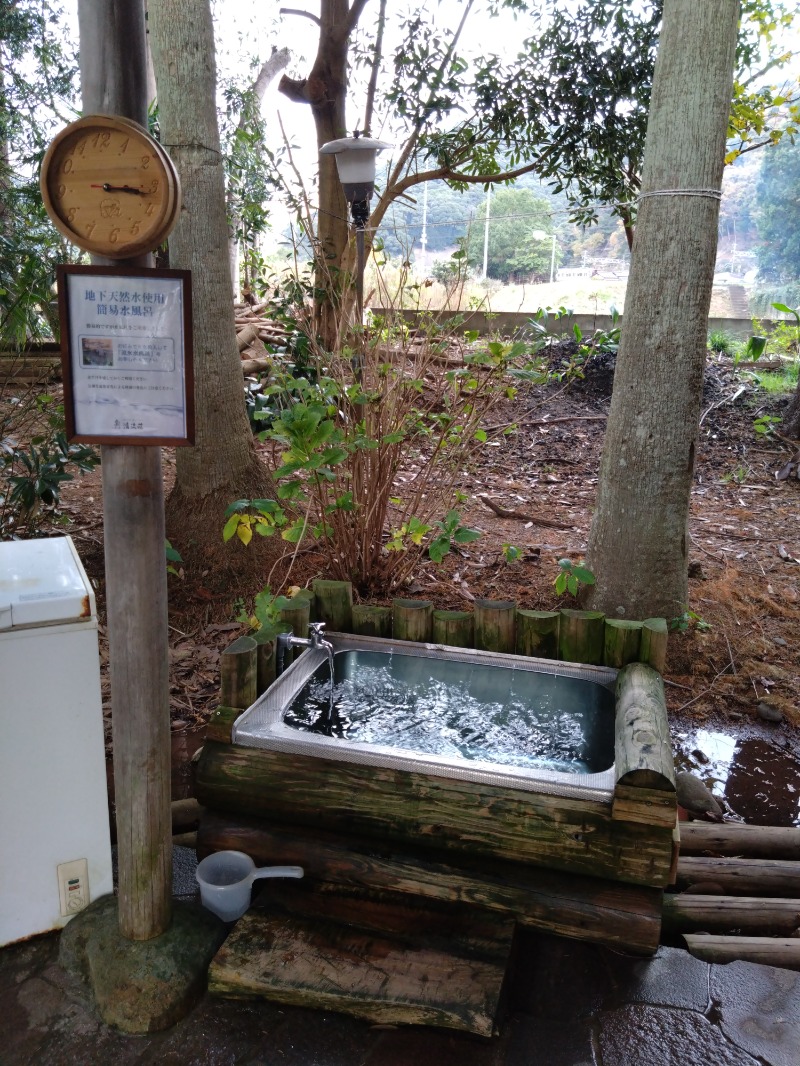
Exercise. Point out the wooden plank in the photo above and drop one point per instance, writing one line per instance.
(688, 913)
(556, 832)
(390, 980)
(734, 838)
(624, 917)
(650, 806)
(767, 950)
(741, 877)
(643, 749)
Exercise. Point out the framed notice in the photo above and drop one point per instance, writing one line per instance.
(126, 351)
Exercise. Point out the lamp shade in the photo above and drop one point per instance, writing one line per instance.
(355, 162)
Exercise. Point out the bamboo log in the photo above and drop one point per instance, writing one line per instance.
(686, 913)
(643, 752)
(653, 650)
(412, 620)
(767, 950)
(580, 637)
(333, 604)
(733, 838)
(621, 642)
(238, 673)
(495, 622)
(625, 917)
(741, 877)
(370, 620)
(435, 813)
(455, 629)
(537, 633)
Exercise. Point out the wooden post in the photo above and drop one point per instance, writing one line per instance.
(113, 81)
(265, 655)
(456, 629)
(653, 650)
(238, 670)
(537, 633)
(412, 620)
(621, 642)
(372, 621)
(643, 752)
(495, 625)
(333, 604)
(580, 637)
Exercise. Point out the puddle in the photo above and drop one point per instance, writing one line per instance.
(755, 775)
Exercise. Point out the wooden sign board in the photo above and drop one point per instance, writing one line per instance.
(126, 351)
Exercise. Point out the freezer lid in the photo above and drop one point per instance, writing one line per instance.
(42, 582)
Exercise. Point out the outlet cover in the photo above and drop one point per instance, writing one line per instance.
(73, 886)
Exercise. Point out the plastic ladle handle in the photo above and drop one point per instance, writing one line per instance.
(277, 871)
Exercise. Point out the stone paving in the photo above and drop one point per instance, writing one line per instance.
(568, 1004)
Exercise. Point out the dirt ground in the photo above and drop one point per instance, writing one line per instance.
(741, 649)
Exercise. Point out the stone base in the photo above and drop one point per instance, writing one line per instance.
(141, 986)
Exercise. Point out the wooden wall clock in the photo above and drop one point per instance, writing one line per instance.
(110, 187)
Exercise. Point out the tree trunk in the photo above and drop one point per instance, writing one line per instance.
(325, 90)
(638, 545)
(182, 41)
(270, 69)
(790, 424)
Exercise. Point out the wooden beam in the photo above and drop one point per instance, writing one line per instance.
(741, 877)
(643, 749)
(767, 950)
(687, 913)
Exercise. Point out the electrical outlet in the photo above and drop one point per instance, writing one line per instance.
(73, 886)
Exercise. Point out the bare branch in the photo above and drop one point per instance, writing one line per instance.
(377, 56)
(353, 16)
(303, 14)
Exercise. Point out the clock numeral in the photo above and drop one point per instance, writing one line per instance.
(71, 214)
(101, 139)
(67, 167)
(145, 162)
(134, 229)
(113, 236)
(123, 148)
(80, 147)
(149, 209)
(61, 190)
(90, 228)
(154, 185)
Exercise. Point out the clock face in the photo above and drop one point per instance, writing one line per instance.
(109, 187)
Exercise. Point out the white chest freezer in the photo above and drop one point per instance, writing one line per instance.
(55, 849)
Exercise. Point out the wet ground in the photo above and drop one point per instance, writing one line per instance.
(567, 1004)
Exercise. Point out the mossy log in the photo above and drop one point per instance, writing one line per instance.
(333, 604)
(688, 913)
(653, 650)
(265, 640)
(372, 621)
(537, 633)
(495, 625)
(642, 751)
(455, 629)
(220, 724)
(567, 833)
(298, 615)
(621, 642)
(580, 636)
(624, 917)
(412, 620)
(238, 672)
(735, 838)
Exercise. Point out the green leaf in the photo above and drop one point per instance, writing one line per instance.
(584, 575)
(439, 547)
(244, 533)
(230, 527)
(465, 535)
(572, 584)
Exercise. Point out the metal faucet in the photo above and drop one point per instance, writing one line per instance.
(315, 639)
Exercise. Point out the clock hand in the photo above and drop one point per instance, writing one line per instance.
(119, 188)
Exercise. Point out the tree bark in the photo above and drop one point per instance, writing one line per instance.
(638, 545)
(224, 458)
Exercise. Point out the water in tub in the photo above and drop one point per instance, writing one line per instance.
(462, 710)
